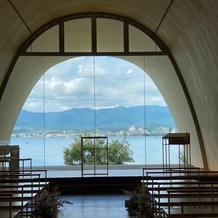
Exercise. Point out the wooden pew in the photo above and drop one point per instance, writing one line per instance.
(6, 198)
(172, 196)
(193, 174)
(160, 181)
(146, 170)
(189, 197)
(10, 206)
(193, 209)
(24, 186)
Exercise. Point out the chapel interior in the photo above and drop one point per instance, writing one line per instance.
(174, 41)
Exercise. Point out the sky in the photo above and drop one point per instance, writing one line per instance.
(93, 82)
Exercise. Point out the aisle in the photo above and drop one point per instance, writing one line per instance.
(95, 206)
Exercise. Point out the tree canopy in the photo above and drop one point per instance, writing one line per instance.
(118, 152)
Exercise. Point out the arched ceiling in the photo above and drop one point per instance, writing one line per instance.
(187, 27)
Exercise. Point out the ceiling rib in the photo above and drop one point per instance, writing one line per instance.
(162, 19)
(19, 15)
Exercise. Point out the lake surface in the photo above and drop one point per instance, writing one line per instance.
(49, 151)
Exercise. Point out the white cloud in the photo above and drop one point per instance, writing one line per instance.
(129, 71)
(74, 83)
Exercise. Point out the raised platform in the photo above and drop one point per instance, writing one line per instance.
(95, 185)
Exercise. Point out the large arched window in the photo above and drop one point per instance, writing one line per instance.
(93, 35)
(103, 96)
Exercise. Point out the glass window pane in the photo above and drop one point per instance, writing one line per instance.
(109, 35)
(47, 42)
(115, 88)
(139, 41)
(78, 35)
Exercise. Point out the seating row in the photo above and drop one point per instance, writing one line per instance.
(18, 191)
(182, 192)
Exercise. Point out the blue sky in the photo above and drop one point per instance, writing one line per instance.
(94, 82)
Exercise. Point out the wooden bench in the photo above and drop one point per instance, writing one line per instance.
(193, 209)
(187, 173)
(176, 196)
(168, 188)
(24, 170)
(24, 187)
(9, 206)
(167, 170)
(18, 200)
(172, 197)
(6, 197)
(180, 184)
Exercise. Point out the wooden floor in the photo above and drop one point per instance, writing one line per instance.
(95, 206)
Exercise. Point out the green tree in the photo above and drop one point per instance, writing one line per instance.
(119, 152)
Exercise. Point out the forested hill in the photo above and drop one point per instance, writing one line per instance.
(118, 118)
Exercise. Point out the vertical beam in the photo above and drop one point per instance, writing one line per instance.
(94, 36)
(61, 37)
(126, 36)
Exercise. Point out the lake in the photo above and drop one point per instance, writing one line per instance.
(49, 151)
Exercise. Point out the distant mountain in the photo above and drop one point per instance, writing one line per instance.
(118, 118)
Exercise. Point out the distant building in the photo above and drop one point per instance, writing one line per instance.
(132, 130)
(161, 130)
(140, 131)
(174, 130)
